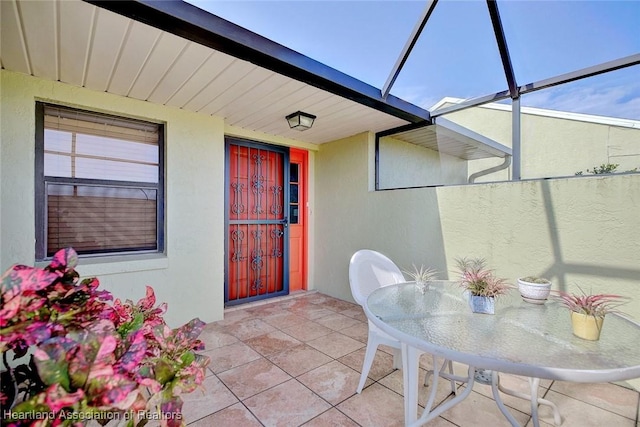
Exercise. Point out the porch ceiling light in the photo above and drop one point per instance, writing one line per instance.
(300, 121)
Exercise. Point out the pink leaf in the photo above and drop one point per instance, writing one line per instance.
(64, 259)
(148, 301)
(57, 397)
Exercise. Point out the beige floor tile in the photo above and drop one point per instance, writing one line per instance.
(265, 310)
(199, 403)
(235, 415)
(575, 412)
(376, 406)
(253, 378)
(386, 349)
(249, 328)
(299, 359)
(394, 382)
(283, 320)
(307, 330)
(319, 298)
(513, 383)
(299, 302)
(213, 336)
(337, 321)
(335, 345)
(334, 382)
(314, 312)
(381, 367)
(358, 332)
(545, 384)
(356, 312)
(339, 305)
(479, 410)
(234, 316)
(331, 418)
(288, 404)
(607, 396)
(271, 343)
(230, 356)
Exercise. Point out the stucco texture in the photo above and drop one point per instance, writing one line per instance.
(189, 276)
(577, 231)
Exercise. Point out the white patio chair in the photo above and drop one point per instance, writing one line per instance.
(368, 271)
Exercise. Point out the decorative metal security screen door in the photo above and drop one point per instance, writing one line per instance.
(257, 195)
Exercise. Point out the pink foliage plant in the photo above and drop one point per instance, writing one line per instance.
(88, 358)
(597, 305)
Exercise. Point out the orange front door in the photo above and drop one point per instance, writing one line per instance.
(298, 219)
(257, 241)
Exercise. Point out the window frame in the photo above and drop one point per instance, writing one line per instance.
(41, 185)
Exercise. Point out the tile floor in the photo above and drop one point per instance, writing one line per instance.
(296, 361)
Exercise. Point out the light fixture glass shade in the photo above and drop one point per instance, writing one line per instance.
(300, 121)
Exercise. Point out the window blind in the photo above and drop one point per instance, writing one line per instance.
(82, 150)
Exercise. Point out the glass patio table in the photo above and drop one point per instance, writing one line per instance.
(521, 338)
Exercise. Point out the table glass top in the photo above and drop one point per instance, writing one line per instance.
(521, 338)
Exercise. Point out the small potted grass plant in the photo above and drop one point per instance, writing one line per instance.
(588, 311)
(534, 289)
(422, 276)
(481, 283)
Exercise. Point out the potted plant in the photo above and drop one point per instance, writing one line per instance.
(588, 311)
(71, 353)
(534, 289)
(481, 283)
(422, 276)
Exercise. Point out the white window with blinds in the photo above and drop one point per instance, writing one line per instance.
(99, 183)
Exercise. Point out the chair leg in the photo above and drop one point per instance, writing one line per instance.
(368, 361)
(453, 383)
(397, 358)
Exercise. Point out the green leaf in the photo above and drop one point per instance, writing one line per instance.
(187, 358)
(164, 372)
(135, 324)
(51, 360)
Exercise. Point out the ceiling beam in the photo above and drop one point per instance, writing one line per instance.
(583, 73)
(502, 48)
(408, 47)
(594, 70)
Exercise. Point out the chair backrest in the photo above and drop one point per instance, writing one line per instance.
(370, 270)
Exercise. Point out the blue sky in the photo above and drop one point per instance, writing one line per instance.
(456, 54)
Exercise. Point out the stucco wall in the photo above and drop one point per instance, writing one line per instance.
(555, 146)
(190, 276)
(421, 166)
(576, 231)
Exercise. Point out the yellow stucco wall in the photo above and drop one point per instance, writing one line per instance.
(421, 166)
(190, 276)
(554, 146)
(576, 231)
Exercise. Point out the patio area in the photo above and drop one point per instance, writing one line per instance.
(296, 360)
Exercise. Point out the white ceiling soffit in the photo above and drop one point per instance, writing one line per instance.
(75, 42)
(450, 138)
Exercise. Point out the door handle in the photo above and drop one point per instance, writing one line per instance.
(285, 222)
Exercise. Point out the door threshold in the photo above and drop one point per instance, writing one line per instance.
(294, 294)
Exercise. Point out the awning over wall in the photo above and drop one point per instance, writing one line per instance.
(450, 138)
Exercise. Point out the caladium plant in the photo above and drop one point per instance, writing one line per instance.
(87, 358)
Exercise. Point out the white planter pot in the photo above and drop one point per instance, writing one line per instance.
(535, 293)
